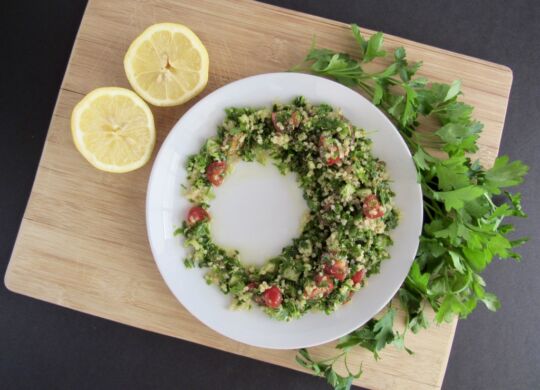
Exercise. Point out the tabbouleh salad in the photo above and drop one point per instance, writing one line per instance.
(346, 234)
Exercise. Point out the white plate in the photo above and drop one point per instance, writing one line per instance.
(166, 208)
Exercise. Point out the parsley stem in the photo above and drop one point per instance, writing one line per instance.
(426, 209)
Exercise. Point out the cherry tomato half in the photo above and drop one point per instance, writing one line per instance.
(338, 269)
(324, 283)
(333, 161)
(291, 124)
(372, 208)
(274, 122)
(295, 119)
(197, 214)
(329, 150)
(358, 276)
(323, 286)
(215, 172)
(277, 127)
(272, 297)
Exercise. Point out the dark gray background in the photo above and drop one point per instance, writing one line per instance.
(45, 346)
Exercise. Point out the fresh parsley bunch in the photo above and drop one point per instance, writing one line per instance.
(465, 204)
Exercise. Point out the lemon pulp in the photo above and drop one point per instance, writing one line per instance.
(167, 64)
(113, 129)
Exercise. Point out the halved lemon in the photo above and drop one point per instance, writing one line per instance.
(113, 128)
(167, 64)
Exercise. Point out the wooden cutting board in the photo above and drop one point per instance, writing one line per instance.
(82, 243)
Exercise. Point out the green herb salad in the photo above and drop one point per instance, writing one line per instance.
(347, 190)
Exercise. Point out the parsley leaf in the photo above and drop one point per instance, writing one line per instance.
(503, 174)
(456, 199)
(374, 48)
(384, 329)
(325, 369)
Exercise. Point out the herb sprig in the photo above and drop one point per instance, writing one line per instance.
(465, 204)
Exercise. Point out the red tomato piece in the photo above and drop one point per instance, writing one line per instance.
(291, 124)
(272, 297)
(215, 172)
(274, 121)
(358, 276)
(197, 214)
(329, 151)
(325, 283)
(252, 285)
(278, 126)
(372, 208)
(338, 269)
(333, 161)
(295, 120)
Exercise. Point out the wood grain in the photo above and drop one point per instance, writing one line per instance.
(82, 243)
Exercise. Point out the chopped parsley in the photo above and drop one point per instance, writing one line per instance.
(347, 189)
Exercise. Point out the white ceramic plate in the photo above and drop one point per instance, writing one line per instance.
(166, 208)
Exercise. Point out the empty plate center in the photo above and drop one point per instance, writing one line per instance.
(257, 211)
